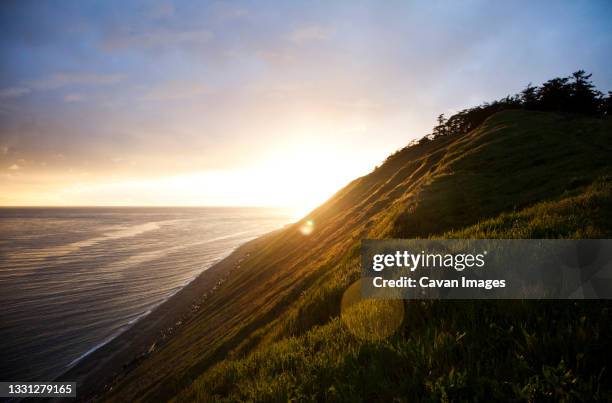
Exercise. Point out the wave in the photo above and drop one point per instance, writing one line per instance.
(63, 302)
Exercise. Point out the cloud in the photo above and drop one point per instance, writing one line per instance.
(211, 85)
(308, 34)
(175, 90)
(14, 167)
(14, 92)
(4, 150)
(74, 98)
(162, 10)
(160, 38)
(59, 80)
(227, 11)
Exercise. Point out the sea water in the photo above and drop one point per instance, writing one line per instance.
(72, 279)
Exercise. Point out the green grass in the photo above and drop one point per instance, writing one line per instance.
(446, 350)
(463, 350)
(513, 160)
(275, 331)
(585, 215)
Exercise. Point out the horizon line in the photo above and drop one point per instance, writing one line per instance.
(140, 206)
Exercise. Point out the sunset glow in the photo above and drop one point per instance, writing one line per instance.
(299, 179)
(173, 103)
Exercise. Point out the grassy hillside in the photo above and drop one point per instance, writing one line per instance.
(273, 330)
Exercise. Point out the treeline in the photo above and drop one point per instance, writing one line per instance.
(575, 94)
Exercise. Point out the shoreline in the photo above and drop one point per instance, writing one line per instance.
(96, 372)
(140, 317)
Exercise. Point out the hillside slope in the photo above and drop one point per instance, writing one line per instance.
(271, 330)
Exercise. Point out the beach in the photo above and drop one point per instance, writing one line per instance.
(98, 371)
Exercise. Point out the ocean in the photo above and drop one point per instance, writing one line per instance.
(72, 279)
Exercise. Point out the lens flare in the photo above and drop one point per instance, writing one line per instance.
(307, 227)
(370, 319)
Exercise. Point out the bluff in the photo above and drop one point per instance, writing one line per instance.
(273, 329)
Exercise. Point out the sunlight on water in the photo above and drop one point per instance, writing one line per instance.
(74, 278)
(123, 232)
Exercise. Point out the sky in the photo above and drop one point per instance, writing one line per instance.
(256, 103)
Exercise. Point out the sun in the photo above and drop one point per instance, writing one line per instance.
(298, 178)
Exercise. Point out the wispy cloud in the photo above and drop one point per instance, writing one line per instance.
(211, 85)
(162, 10)
(175, 90)
(74, 98)
(14, 92)
(59, 80)
(224, 11)
(308, 34)
(156, 38)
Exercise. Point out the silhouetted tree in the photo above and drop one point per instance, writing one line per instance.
(529, 97)
(440, 128)
(606, 105)
(574, 94)
(584, 98)
(554, 95)
(441, 120)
